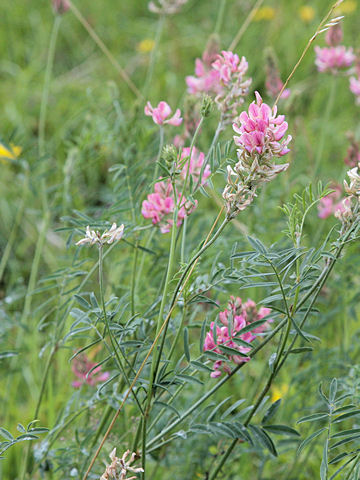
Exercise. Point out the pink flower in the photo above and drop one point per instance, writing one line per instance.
(159, 206)
(332, 59)
(195, 164)
(161, 113)
(81, 367)
(334, 35)
(355, 88)
(352, 158)
(229, 66)
(234, 319)
(60, 6)
(330, 204)
(274, 86)
(261, 131)
(205, 80)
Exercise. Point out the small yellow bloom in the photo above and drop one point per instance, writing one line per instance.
(307, 13)
(145, 46)
(349, 6)
(10, 153)
(264, 13)
(279, 392)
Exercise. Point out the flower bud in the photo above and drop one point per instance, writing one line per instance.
(206, 106)
(169, 154)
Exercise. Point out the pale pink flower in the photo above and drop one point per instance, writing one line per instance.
(237, 316)
(355, 88)
(160, 114)
(60, 6)
(229, 66)
(274, 86)
(81, 367)
(261, 131)
(334, 35)
(120, 467)
(194, 164)
(160, 205)
(353, 153)
(331, 203)
(206, 80)
(333, 59)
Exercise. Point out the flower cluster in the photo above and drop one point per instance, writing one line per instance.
(93, 237)
(273, 82)
(331, 203)
(60, 6)
(232, 73)
(194, 165)
(161, 113)
(351, 202)
(335, 57)
(120, 467)
(261, 138)
(355, 87)
(81, 366)
(235, 318)
(160, 205)
(206, 79)
(225, 78)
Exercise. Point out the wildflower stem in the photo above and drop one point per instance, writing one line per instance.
(156, 339)
(308, 45)
(316, 288)
(18, 217)
(46, 89)
(245, 25)
(150, 70)
(104, 49)
(161, 144)
(220, 17)
(325, 125)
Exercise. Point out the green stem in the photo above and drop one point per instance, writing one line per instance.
(325, 125)
(149, 74)
(161, 144)
(18, 217)
(220, 17)
(178, 333)
(48, 74)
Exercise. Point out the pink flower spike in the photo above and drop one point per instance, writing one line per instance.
(234, 318)
(355, 88)
(81, 366)
(333, 59)
(161, 113)
(194, 164)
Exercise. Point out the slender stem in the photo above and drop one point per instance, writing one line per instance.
(161, 144)
(220, 16)
(316, 288)
(245, 25)
(104, 49)
(308, 45)
(150, 71)
(46, 89)
(112, 423)
(178, 333)
(325, 125)
(18, 217)
(183, 240)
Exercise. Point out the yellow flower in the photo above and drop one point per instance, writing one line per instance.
(10, 153)
(307, 13)
(264, 13)
(349, 6)
(145, 46)
(279, 392)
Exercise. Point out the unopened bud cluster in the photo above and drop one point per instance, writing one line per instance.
(350, 204)
(93, 237)
(261, 138)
